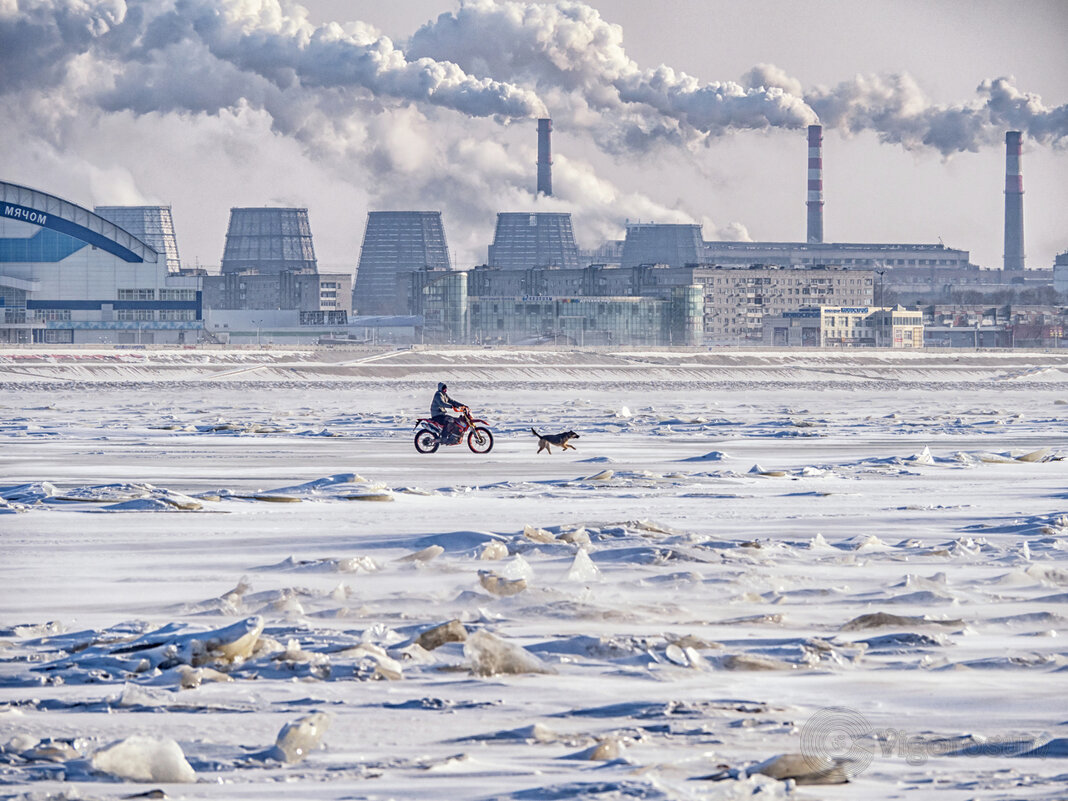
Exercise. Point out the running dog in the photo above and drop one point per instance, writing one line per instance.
(559, 440)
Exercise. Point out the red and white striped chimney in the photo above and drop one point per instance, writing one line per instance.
(1014, 233)
(815, 183)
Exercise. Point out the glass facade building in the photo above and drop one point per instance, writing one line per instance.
(68, 275)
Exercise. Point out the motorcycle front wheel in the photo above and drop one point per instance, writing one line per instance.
(425, 442)
(480, 440)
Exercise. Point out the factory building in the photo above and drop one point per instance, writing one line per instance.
(68, 275)
(394, 243)
(153, 225)
(268, 240)
(524, 240)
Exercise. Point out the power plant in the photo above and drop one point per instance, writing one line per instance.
(661, 285)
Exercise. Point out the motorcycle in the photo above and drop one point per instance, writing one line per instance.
(429, 435)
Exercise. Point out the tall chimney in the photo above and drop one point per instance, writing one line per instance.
(545, 158)
(815, 183)
(1014, 235)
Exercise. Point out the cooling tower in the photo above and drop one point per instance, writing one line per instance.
(153, 225)
(396, 242)
(1014, 232)
(815, 183)
(525, 240)
(269, 240)
(545, 157)
(662, 243)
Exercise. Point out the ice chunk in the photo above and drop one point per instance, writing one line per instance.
(578, 536)
(518, 568)
(923, 457)
(1034, 456)
(805, 769)
(754, 662)
(606, 749)
(190, 677)
(432, 638)
(604, 475)
(500, 586)
(425, 555)
(711, 456)
(760, 471)
(490, 656)
(582, 568)
(144, 759)
(297, 739)
(538, 534)
(493, 551)
(231, 644)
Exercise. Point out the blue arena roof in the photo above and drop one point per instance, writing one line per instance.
(48, 211)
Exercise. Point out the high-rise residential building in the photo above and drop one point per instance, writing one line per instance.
(396, 242)
(269, 240)
(524, 240)
(662, 243)
(153, 225)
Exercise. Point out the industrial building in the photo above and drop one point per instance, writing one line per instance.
(153, 225)
(68, 275)
(493, 306)
(268, 240)
(731, 303)
(523, 241)
(846, 327)
(396, 242)
(299, 291)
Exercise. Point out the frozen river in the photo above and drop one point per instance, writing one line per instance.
(859, 559)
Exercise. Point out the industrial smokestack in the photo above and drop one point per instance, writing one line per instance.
(815, 183)
(1014, 235)
(545, 157)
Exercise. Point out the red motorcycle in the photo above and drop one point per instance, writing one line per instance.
(429, 435)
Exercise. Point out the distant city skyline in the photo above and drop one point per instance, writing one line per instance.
(349, 106)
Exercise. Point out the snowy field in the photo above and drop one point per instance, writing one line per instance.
(227, 575)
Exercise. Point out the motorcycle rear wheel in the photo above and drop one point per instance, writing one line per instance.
(425, 442)
(480, 440)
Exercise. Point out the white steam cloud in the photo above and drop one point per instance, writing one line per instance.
(244, 85)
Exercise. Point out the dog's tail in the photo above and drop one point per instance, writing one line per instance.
(535, 433)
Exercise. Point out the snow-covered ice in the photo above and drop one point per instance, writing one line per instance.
(758, 570)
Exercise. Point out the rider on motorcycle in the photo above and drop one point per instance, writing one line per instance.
(439, 412)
